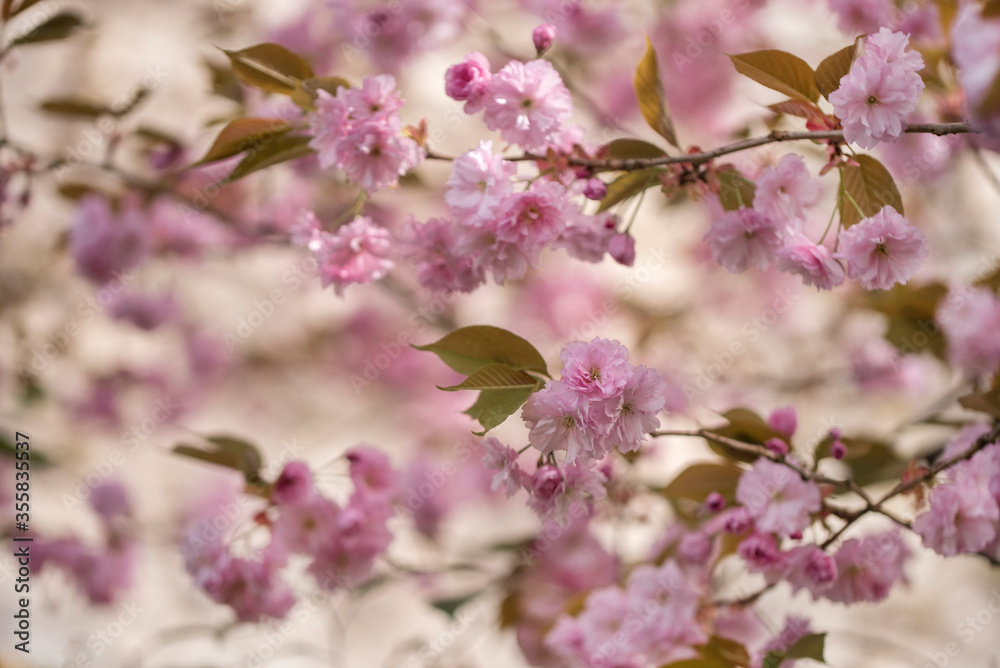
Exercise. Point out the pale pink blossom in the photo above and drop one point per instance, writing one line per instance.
(374, 154)
(882, 250)
(502, 458)
(777, 498)
(760, 552)
(784, 192)
(543, 487)
(559, 419)
(971, 319)
(868, 568)
(643, 396)
(358, 252)
(433, 248)
(147, 312)
(376, 98)
(813, 262)
(587, 238)
(598, 369)
(961, 518)
(533, 219)
(469, 81)
(104, 244)
(810, 568)
(372, 474)
(479, 182)
(861, 16)
(892, 47)
(742, 238)
(294, 486)
(663, 612)
(975, 46)
(875, 99)
(528, 103)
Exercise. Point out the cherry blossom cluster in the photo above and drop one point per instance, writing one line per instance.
(879, 251)
(341, 542)
(102, 572)
(964, 510)
(359, 131)
(970, 319)
(875, 99)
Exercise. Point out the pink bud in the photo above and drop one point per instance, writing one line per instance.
(838, 449)
(595, 189)
(738, 521)
(622, 249)
(777, 446)
(543, 36)
(545, 482)
(294, 485)
(715, 502)
(797, 535)
(784, 420)
(835, 433)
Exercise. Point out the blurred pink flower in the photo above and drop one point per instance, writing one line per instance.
(358, 252)
(813, 262)
(882, 250)
(742, 238)
(777, 498)
(784, 192)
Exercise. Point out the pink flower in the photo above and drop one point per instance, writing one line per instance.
(294, 486)
(372, 474)
(663, 612)
(374, 155)
(543, 488)
(743, 237)
(862, 16)
(784, 420)
(104, 244)
(785, 191)
(503, 459)
(970, 319)
(147, 312)
(305, 527)
(643, 397)
(533, 218)
(479, 182)
(875, 99)
(357, 253)
(891, 47)
(622, 249)
(469, 80)
(760, 552)
(376, 98)
(961, 518)
(814, 263)
(882, 250)
(810, 568)
(975, 45)
(599, 369)
(542, 37)
(110, 500)
(587, 238)
(559, 419)
(777, 498)
(432, 247)
(867, 568)
(528, 103)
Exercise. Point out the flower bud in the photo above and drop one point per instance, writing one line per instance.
(543, 36)
(622, 249)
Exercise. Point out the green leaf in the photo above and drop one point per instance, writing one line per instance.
(628, 185)
(307, 91)
(780, 71)
(697, 481)
(833, 69)
(649, 91)
(493, 407)
(807, 647)
(743, 424)
(872, 187)
(910, 311)
(991, 101)
(735, 190)
(450, 606)
(270, 67)
(234, 453)
(68, 106)
(278, 150)
(59, 26)
(468, 349)
(984, 402)
(494, 377)
(242, 135)
(725, 650)
(798, 108)
(629, 149)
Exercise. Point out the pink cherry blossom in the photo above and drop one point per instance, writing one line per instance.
(372, 473)
(542, 37)
(622, 248)
(469, 81)
(374, 154)
(760, 552)
(975, 43)
(960, 519)
(784, 420)
(868, 568)
(104, 244)
(533, 218)
(742, 238)
(597, 369)
(358, 252)
(643, 396)
(810, 568)
(479, 182)
(294, 486)
(892, 47)
(861, 16)
(813, 262)
(503, 459)
(777, 498)
(971, 318)
(784, 192)
(559, 419)
(528, 103)
(587, 238)
(875, 99)
(432, 248)
(882, 250)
